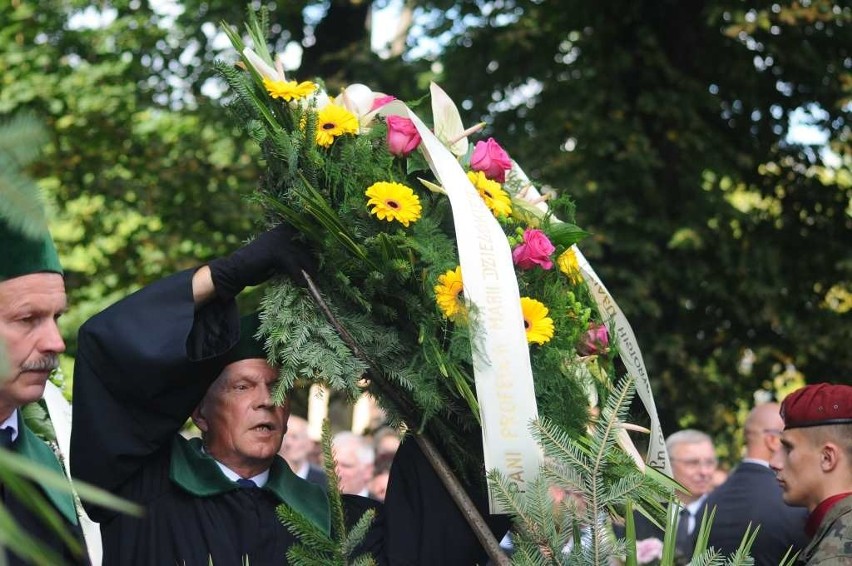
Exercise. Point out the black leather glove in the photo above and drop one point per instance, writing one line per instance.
(273, 252)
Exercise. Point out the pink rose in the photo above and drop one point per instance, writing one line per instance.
(491, 159)
(402, 136)
(380, 101)
(535, 251)
(648, 550)
(594, 341)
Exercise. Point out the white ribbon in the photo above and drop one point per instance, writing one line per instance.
(629, 352)
(628, 349)
(501, 361)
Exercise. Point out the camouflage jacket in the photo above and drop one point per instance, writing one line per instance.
(832, 543)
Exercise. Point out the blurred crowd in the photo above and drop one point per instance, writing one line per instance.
(362, 461)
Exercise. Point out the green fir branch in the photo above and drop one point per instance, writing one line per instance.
(364, 561)
(359, 530)
(335, 501)
(305, 531)
(560, 447)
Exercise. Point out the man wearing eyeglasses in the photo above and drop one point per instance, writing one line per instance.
(752, 496)
(693, 460)
(814, 468)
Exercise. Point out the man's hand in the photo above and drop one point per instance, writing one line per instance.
(273, 252)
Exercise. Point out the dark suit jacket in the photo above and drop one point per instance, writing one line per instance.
(752, 494)
(317, 477)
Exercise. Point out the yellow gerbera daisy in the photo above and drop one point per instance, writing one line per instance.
(394, 201)
(333, 121)
(568, 265)
(448, 294)
(492, 193)
(538, 325)
(288, 90)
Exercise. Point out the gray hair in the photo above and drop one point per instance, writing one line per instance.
(687, 436)
(366, 454)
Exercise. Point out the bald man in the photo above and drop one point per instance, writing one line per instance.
(752, 495)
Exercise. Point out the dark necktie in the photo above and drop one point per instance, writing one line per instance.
(683, 541)
(6, 437)
(247, 484)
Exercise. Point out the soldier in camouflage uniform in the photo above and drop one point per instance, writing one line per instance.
(814, 468)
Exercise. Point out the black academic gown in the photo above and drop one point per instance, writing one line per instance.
(31, 447)
(752, 495)
(142, 366)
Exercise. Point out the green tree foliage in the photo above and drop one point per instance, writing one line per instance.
(145, 178)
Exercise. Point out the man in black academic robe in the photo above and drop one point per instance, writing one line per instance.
(32, 297)
(173, 350)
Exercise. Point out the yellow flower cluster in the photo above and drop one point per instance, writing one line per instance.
(568, 265)
(288, 90)
(538, 325)
(448, 295)
(497, 200)
(334, 121)
(394, 201)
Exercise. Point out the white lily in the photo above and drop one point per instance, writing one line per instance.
(358, 99)
(322, 99)
(263, 68)
(448, 123)
(623, 439)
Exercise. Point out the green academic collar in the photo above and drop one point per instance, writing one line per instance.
(34, 449)
(197, 473)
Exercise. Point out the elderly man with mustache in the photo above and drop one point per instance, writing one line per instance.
(32, 298)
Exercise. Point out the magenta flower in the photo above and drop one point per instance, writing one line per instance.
(491, 159)
(534, 252)
(380, 101)
(594, 341)
(402, 136)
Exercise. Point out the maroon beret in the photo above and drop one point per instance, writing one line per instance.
(817, 405)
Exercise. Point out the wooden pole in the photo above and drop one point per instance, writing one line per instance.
(439, 464)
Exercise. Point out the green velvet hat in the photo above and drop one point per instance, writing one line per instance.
(23, 255)
(249, 346)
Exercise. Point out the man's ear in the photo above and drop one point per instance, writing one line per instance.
(829, 457)
(199, 419)
(772, 442)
